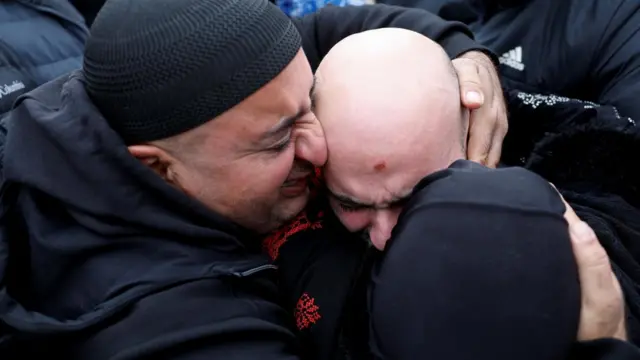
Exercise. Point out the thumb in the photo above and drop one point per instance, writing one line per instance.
(480, 137)
(472, 98)
(470, 83)
(602, 313)
(594, 268)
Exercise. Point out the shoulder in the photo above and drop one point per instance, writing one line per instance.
(467, 183)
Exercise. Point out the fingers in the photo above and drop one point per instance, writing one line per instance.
(593, 262)
(501, 129)
(482, 94)
(602, 313)
(471, 98)
(591, 257)
(486, 136)
(470, 83)
(480, 137)
(483, 123)
(495, 148)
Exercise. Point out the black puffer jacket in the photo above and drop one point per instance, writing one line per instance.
(41, 40)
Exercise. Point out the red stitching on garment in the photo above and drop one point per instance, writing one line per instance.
(273, 242)
(306, 312)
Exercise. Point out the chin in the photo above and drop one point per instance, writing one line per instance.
(290, 208)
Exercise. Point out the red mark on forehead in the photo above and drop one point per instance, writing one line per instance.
(380, 166)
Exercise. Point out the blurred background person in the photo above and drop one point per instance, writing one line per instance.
(581, 49)
(297, 8)
(39, 41)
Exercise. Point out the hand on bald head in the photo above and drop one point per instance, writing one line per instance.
(389, 103)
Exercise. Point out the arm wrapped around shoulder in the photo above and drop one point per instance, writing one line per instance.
(480, 266)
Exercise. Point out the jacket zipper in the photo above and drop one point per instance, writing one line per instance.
(255, 270)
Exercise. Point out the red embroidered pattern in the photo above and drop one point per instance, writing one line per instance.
(276, 239)
(306, 312)
(273, 242)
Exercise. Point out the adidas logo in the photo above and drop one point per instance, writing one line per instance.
(513, 58)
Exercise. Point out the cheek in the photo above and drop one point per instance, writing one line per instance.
(275, 172)
(264, 176)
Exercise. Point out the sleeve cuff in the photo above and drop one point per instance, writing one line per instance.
(458, 44)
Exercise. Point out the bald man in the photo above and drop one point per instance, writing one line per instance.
(474, 271)
(389, 122)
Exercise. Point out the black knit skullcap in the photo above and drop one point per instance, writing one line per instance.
(157, 68)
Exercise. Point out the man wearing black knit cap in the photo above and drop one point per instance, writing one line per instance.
(134, 191)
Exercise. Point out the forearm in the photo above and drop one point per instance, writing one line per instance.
(322, 30)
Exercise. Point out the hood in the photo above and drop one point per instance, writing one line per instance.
(85, 228)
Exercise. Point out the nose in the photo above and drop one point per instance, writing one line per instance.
(310, 144)
(383, 222)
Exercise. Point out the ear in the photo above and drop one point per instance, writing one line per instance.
(156, 159)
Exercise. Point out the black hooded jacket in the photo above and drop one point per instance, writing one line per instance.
(100, 259)
(582, 49)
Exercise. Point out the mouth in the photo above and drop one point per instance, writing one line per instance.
(295, 186)
(295, 181)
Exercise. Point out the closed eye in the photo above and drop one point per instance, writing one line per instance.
(349, 208)
(282, 145)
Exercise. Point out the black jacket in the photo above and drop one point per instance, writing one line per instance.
(322, 279)
(587, 151)
(41, 40)
(100, 259)
(583, 49)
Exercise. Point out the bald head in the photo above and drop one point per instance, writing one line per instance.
(389, 103)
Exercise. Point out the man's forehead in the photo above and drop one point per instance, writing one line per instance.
(373, 181)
